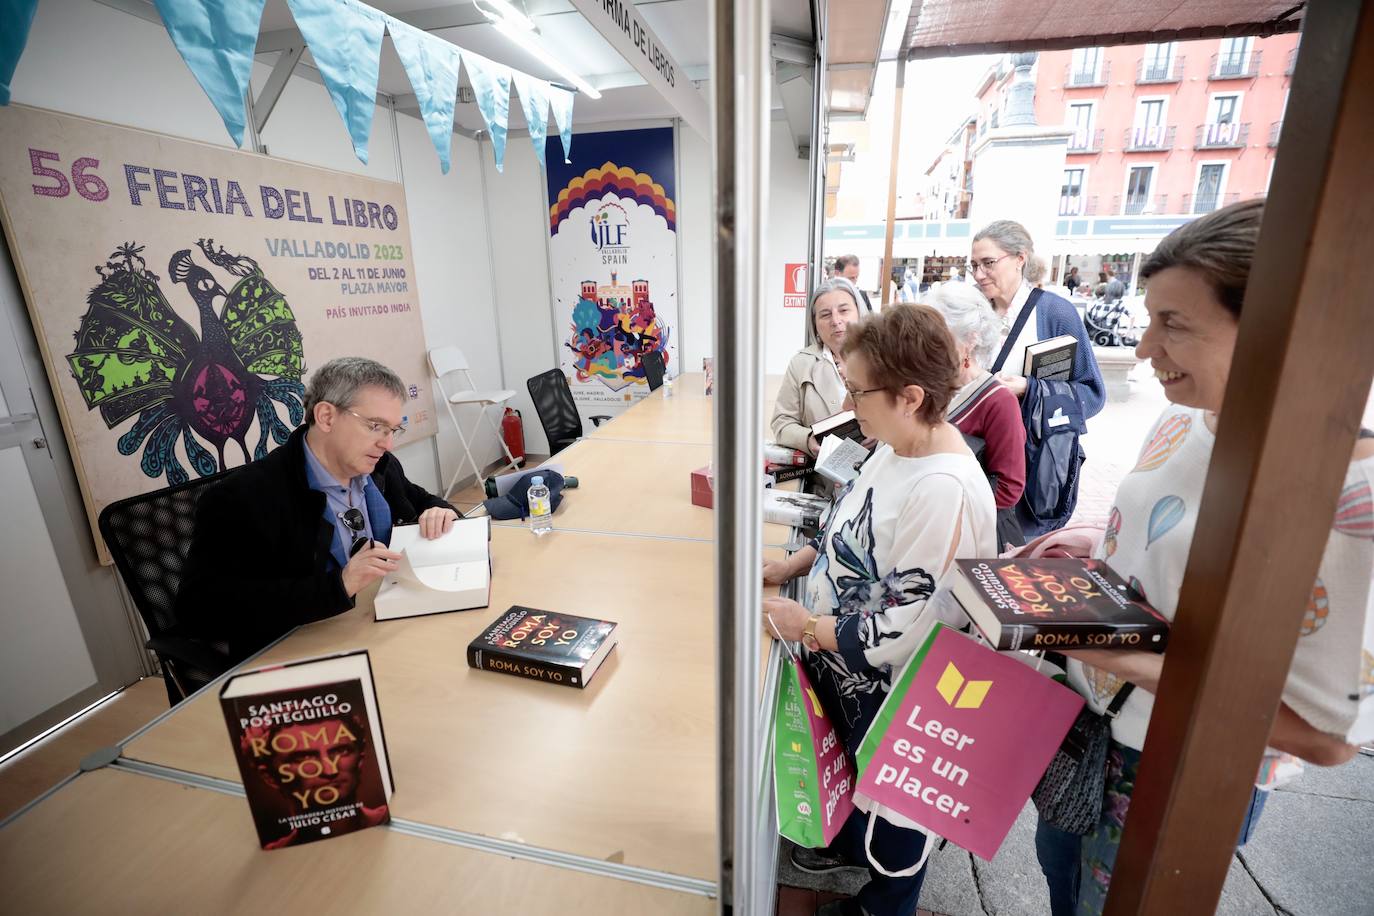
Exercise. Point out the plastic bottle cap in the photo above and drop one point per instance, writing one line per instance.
(537, 481)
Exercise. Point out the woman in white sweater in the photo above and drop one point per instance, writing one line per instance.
(919, 502)
(1196, 283)
(812, 389)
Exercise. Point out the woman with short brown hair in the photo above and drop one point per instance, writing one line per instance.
(919, 502)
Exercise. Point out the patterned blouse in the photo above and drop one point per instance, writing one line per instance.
(894, 531)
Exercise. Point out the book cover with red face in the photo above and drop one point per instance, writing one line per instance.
(307, 762)
(1057, 603)
(544, 645)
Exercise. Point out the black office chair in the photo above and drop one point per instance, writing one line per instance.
(553, 401)
(654, 369)
(149, 536)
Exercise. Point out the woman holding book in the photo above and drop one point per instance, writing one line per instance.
(983, 408)
(999, 262)
(918, 503)
(813, 389)
(1196, 283)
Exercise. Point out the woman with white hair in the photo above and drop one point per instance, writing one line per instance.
(984, 409)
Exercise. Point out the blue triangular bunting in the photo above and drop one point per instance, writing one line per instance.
(345, 38)
(217, 40)
(534, 101)
(561, 103)
(432, 65)
(491, 83)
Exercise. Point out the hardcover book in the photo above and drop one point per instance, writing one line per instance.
(448, 573)
(544, 646)
(781, 454)
(1051, 360)
(310, 748)
(1056, 604)
(843, 424)
(800, 510)
(781, 473)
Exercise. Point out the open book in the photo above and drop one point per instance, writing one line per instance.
(449, 573)
(839, 459)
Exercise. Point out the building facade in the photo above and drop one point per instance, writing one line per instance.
(1179, 128)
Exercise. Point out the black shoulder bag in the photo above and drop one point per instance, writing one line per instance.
(1069, 795)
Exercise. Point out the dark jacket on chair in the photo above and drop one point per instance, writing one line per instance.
(261, 563)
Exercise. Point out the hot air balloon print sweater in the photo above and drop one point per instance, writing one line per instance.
(1149, 532)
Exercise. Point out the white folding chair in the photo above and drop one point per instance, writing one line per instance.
(445, 361)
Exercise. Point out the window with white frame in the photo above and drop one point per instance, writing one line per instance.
(1211, 185)
(1080, 118)
(1234, 56)
(1086, 67)
(1223, 120)
(1139, 189)
(1071, 194)
(1148, 130)
(1158, 62)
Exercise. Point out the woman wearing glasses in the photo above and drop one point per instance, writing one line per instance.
(918, 503)
(1001, 253)
(812, 389)
(1055, 412)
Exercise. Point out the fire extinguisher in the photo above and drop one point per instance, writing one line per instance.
(513, 431)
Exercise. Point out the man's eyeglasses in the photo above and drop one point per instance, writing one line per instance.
(985, 265)
(353, 518)
(377, 427)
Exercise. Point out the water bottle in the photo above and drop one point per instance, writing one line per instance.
(667, 387)
(541, 509)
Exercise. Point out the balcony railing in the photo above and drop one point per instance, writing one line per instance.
(1292, 62)
(1085, 140)
(1234, 66)
(1229, 135)
(1206, 203)
(1154, 70)
(1078, 205)
(1275, 130)
(1077, 77)
(1134, 205)
(1149, 139)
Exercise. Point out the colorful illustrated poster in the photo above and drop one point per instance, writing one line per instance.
(181, 293)
(613, 262)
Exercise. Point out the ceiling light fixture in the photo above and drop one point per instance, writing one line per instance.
(507, 12)
(532, 46)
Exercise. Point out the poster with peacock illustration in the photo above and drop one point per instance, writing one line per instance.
(182, 292)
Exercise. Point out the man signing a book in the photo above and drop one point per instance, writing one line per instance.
(295, 536)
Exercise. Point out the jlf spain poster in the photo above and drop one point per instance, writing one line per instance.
(613, 262)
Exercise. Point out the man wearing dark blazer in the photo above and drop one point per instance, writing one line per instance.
(847, 266)
(293, 537)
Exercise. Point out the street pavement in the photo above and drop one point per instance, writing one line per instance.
(1313, 851)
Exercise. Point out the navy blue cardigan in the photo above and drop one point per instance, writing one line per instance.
(1055, 315)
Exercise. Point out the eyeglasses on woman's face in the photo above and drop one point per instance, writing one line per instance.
(856, 393)
(985, 265)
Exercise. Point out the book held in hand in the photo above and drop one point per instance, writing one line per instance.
(839, 459)
(843, 424)
(447, 573)
(800, 510)
(544, 646)
(1051, 360)
(1056, 604)
(308, 739)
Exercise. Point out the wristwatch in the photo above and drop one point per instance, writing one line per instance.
(809, 634)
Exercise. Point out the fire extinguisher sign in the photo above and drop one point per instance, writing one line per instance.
(794, 287)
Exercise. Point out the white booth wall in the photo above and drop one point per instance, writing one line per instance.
(88, 59)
